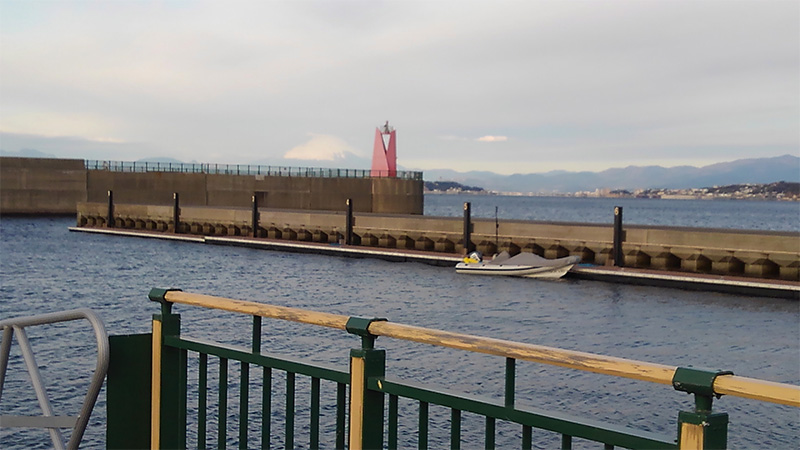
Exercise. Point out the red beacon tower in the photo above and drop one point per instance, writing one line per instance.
(384, 153)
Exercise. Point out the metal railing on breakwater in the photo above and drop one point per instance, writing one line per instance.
(247, 169)
(162, 359)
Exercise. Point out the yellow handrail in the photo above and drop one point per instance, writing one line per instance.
(768, 391)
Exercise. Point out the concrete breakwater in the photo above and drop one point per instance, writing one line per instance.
(759, 254)
(55, 186)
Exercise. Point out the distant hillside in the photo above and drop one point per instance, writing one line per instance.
(450, 186)
(743, 171)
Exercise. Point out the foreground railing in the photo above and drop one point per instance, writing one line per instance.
(48, 420)
(367, 426)
(247, 169)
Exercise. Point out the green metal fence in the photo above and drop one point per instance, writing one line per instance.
(362, 419)
(247, 169)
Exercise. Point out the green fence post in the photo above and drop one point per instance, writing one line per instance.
(168, 415)
(701, 428)
(366, 406)
(128, 392)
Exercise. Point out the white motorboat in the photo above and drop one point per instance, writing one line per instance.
(522, 265)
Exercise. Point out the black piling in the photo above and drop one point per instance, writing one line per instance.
(110, 215)
(468, 245)
(255, 215)
(176, 212)
(619, 258)
(348, 233)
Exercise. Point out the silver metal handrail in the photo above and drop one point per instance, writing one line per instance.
(48, 420)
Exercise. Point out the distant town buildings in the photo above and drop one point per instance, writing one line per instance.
(774, 191)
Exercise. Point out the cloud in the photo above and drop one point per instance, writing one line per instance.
(321, 147)
(492, 139)
(572, 83)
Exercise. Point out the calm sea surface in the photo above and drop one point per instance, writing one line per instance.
(736, 214)
(44, 268)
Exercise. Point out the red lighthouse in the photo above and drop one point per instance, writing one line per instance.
(384, 153)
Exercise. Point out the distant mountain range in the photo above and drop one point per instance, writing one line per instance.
(743, 171)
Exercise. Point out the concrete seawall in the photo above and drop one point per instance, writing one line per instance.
(55, 186)
(725, 252)
(41, 186)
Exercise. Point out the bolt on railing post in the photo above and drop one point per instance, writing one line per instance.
(701, 428)
(366, 406)
(168, 403)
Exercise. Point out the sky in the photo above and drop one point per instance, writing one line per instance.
(502, 86)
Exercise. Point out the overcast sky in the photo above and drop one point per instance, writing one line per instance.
(511, 87)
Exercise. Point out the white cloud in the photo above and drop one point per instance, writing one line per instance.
(492, 139)
(578, 82)
(320, 147)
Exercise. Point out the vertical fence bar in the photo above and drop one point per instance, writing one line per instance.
(266, 408)
(244, 396)
(392, 438)
(341, 398)
(290, 409)
(619, 257)
(314, 439)
(701, 428)
(566, 442)
(155, 383)
(455, 429)
(510, 383)
(222, 431)
(202, 400)
(490, 428)
(168, 426)
(366, 406)
(423, 425)
(527, 437)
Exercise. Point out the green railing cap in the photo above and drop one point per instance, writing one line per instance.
(360, 325)
(157, 294)
(697, 381)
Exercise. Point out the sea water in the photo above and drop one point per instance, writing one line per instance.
(45, 268)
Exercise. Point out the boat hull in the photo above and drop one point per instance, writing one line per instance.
(541, 272)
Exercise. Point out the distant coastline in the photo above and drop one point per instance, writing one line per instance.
(780, 191)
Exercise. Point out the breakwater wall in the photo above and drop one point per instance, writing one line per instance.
(55, 186)
(758, 254)
(41, 185)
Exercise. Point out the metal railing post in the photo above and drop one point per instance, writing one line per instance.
(366, 406)
(176, 212)
(348, 233)
(468, 246)
(619, 257)
(168, 414)
(700, 428)
(110, 212)
(255, 215)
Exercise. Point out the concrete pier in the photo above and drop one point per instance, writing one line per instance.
(682, 280)
(755, 254)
